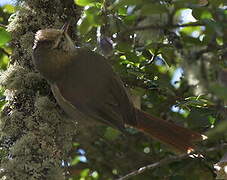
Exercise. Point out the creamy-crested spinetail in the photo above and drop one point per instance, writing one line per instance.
(83, 81)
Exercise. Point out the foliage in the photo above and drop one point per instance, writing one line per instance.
(5, 38)
(152, 42)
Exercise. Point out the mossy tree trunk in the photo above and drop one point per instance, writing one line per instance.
(35, 133)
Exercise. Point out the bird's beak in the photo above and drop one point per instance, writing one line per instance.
(65, 27)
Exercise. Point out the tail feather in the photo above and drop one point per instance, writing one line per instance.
(171, 134)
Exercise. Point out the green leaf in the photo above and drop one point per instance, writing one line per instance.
(219, 130)
(189, 30)
(123, 46)
(130, 19)
(201, 13)
(4, 60)
(122, 11)
(76, 144)
(92, 11)
(84, 2)
(85, 26)
(75, 160)
(190, 40)
(93, 16)
(2, 98)
(95, 175)
(219, 91)
(211, 119)
(5, 36)
(111, 133)
(85, 173)
(131, 56)
(9, 8)
(198, 117)
(151, 9)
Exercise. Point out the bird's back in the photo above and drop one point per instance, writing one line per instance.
(90, 83)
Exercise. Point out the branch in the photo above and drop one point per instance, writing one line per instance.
(3, 26)
(166, 161)
(210, 48)
(152, 26)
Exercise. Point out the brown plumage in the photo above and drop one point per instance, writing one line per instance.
(83, 81)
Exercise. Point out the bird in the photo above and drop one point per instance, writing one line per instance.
(84, 81)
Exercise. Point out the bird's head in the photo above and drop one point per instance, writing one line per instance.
(54, 39)
(52, 51)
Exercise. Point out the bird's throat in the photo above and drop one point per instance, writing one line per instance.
(51, 63)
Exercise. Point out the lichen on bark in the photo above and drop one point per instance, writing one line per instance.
(36, 135)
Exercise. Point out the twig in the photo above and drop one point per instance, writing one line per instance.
(152, 26)
(154, 165)
(156, 53)
(3, 26)
(167, 161)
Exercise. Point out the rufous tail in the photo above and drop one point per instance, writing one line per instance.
(180, 138)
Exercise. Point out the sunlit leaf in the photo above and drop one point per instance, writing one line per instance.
(75, 160)
(85, 173)
(95, 175)
(191, 30)
(85, 26)
(4, 36)
(84, 2)
(9, 8)
(4, 60)
(201, 13)
(211, 119)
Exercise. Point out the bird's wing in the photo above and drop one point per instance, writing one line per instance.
(90, 85)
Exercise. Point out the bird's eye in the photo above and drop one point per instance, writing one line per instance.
(61, 43)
